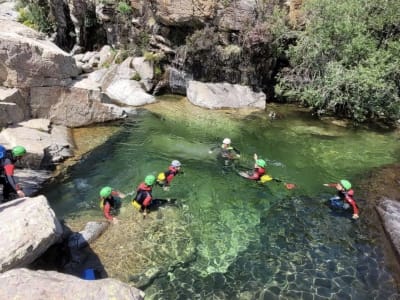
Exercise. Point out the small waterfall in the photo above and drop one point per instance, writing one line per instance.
(180, 58)
(178, 78)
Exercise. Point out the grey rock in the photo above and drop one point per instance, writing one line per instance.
(29, 227)
(27, 284)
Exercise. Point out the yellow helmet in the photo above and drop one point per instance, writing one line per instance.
(161, 177)
(136, 205)
(265, 178)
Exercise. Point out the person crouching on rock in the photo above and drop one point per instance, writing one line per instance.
(143, 197)
(11, 189)
(344, 198)
(110, 202)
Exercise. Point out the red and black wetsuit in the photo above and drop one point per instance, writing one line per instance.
(108, 204)
(170, 174)
(257, 173)
(10, 186)
(143, 195)
(347, 196)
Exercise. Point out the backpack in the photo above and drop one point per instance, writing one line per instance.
(3, 152)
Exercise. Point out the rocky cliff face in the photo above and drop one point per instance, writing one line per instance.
(209, 40)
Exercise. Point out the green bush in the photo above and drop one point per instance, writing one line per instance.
(344, 62)
(136, 77)
(152, 57)
(36, 17)
(124, 8)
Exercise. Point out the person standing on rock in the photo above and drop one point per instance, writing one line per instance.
(8, 158)
(110, 201)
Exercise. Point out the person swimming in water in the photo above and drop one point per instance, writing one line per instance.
(345, 197)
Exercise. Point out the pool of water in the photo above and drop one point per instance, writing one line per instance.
(228, 237)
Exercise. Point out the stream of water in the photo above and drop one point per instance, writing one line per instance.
(228, 237)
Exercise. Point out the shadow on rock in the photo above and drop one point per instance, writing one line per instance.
(73, 255)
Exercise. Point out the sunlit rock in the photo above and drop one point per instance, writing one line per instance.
(29, 228)
(224, 95)
(26, 284)
(27, 59)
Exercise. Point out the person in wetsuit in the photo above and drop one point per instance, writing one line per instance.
(164, 179)
(344, 198)
(143, 197)
(110, 202)
(257, 172)
(11, 189)
(228, 154)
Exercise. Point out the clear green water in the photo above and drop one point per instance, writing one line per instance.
(230, 238)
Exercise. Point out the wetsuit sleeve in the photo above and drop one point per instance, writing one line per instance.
(106, 211)
(9, 173)
(147, 200)
(353, 204)
(255, 175)
(331, 184)
(170, 177)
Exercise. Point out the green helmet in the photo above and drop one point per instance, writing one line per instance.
(346, 184)
(261, 163)
(150, 179)
(18, 151)
(106, 192)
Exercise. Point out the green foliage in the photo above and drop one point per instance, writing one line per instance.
(231, 51)
(157, 71)
(124, 8)
(121, 56)
(152, 57)
(136, 77)
(35, 16)
(143, 40)
(344, 62)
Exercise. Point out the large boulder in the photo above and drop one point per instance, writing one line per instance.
(223, 95)
(74, 106)
(26, 59)
(389, 211)
(29, 227)
(13, 108)
(119, 85)
(26, 284)
(46, 145)
(184, 12)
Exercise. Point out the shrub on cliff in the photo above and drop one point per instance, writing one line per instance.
(346, 60)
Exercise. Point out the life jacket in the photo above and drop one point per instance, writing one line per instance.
(142, 192)
(259, 171)
(227, 152)
(344, 194)
(7, 162)
(170, 173)
(3, 152)
(110, 200)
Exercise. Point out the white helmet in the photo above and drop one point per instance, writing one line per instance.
(176, 163)
(226, 141)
